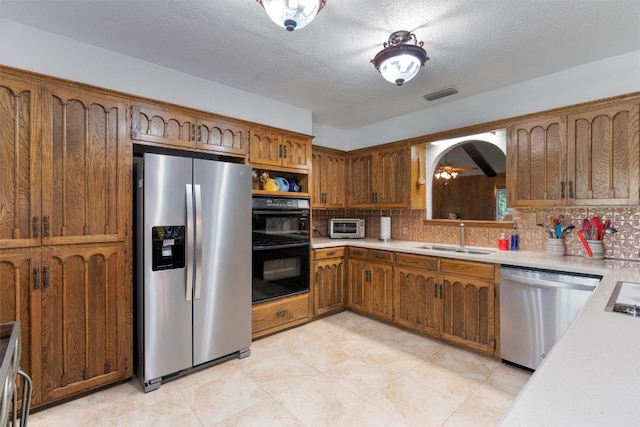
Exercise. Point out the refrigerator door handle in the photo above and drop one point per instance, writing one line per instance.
(189, 196)
(198, 219)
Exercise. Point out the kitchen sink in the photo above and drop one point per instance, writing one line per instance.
(458, 250)
(439, 248)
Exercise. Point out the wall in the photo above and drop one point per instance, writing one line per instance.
(610, 77)
(410, 225)
(47, 53)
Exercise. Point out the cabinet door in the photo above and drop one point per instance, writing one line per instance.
(162, 126)
(361, 180)
(86, 168)
(469, 312)
(222, 136)
(358, 275)
(391, 177)
(536, 163)
(85, 318)
(329, 285)
(378, 292)
(20, 222)
(265, 147)
(604, 155)
(329, 179)
(417, 302)
(296, 153)
(20, 276)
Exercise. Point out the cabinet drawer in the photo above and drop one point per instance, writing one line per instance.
(470, 268)
(276, 313)
(358, 253)
(380, 256)
(320, 254)
(420, 261)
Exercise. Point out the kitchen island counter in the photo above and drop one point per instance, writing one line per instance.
(592, 375)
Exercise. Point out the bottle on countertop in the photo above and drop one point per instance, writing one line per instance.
(515, 244)
(503, 242)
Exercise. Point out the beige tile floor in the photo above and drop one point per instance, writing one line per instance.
(344, 370)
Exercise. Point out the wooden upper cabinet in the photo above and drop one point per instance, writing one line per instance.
(536, 162)
(185, 129)
(604, 155)
(86, 167)
(269, 148)
(162, 126)
(222, 136)
(386, 177)
(328, 178)
(390, 177)
(20, 222)
(360, 169)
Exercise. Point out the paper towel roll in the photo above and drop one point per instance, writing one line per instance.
(385, 228)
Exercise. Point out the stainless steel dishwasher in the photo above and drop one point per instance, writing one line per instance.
(536, 308)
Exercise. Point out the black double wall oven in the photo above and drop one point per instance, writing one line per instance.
(281, 247)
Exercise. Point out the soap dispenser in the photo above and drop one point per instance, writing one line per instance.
(515, 244)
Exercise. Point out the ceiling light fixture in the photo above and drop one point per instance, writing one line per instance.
(446, 171)
(400, 61)
(292, 14)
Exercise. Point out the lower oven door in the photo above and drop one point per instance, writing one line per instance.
(280, 271)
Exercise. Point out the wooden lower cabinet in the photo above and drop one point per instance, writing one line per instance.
(74, 304)
(329, 278)
(273, 316)
(417, 301)
(455, 301)
(370, 282)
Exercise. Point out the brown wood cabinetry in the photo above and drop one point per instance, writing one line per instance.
(370, 276)
(273, 316)
(417, 302)
(455, 302)
(582, 156)
(84, 313)
(604, 155)
(328, 184)
(276, 150)
(535, 162)
(386, 177)
(185, 129)
(65, 268)
(468, 295)
(329, 279)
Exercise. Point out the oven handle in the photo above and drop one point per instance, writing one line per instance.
(275, 211)
(285, 246)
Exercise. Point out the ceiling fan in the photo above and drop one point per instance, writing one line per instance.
(447, 171)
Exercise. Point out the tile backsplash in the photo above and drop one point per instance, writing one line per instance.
(410, 225)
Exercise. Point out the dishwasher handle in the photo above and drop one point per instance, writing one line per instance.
(538, 283)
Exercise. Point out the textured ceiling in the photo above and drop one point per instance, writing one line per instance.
(477, 45)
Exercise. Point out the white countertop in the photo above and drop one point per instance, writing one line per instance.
(592, 375)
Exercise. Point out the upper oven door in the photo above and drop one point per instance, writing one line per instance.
(280, 228)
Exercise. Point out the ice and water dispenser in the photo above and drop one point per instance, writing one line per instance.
(168, 246)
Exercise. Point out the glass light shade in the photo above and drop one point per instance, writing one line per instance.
(292, 14)
(400, 69)
(400, 60)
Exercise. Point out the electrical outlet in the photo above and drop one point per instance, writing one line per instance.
(404, 230)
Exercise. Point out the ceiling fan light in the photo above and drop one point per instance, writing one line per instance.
(399, 61)
(292, 14)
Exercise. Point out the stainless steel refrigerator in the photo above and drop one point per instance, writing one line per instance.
(193, 265)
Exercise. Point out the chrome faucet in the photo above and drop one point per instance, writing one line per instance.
(462, 235)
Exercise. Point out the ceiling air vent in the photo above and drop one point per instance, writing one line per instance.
(449, 90)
